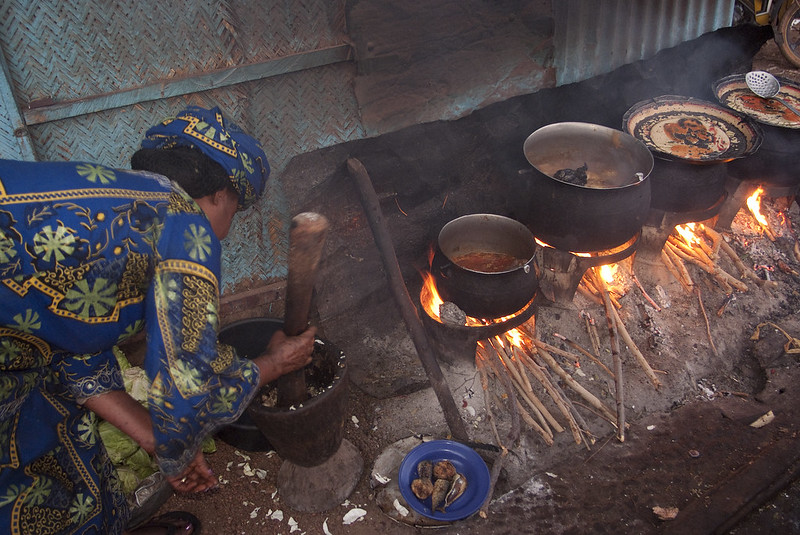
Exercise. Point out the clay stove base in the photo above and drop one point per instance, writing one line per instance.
(320, 488)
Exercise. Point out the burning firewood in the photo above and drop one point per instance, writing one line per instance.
(591, 328)
(754, 204)
(577, 347)
(744, 271)
(623, 332)
(708, 326)
(551, 389)
(683, 274)
(677, 249)
(618, 378)
(520, 382)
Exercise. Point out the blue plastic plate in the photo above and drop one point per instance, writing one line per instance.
(467, 462)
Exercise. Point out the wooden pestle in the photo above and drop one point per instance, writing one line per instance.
(306, 239)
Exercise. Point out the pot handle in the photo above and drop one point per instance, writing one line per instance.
(444, 270)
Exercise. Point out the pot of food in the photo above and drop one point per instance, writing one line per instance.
(484, 263)
(691, 140)
(777, 159)
(589, 188)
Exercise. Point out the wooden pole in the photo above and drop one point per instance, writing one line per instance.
(306, 239)
(369, 200)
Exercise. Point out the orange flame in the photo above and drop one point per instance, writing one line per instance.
(754, 204)
(687, 233)
(607, 272)
(429, 297)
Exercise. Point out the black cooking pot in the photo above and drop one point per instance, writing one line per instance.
(681, 186)
(611, 204)
(776, 162)
(481, 290)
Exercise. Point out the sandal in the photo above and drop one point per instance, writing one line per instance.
(172, 523)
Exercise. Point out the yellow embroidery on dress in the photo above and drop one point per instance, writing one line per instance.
(225, 354)
(134, 281)
(38, 343)
(87, 193)
(197, 294)
(180, 204)
(165, 273)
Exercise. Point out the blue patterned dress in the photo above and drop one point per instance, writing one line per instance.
(90, 256)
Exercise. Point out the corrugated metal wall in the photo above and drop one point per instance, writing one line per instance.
(83, 80)
(593, 38)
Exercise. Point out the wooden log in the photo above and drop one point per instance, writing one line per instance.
(692, 254)
(502, 375)
(586, 292)
(545, 418)
(550, 389)
(591, 328)
(684, 277)
(481, 366)
(307, 234)
(670, 265)
(644, 293)
(708, 326)
(714, 236)
(626, 337)
(577, 347)
(618, 380)
(590, 398)
(408, 310)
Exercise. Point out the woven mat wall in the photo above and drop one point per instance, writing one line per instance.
(59, 51)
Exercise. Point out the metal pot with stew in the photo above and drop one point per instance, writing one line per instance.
(484, 264)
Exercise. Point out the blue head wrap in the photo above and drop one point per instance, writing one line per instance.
(221, 140)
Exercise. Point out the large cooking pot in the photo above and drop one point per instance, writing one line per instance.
(691, 140)
(777, 162)
(681, 186)
(605, 209)
(484, 263)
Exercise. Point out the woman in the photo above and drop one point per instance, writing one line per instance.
(90, 256)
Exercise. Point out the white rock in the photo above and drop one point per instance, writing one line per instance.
(353, 515)
(400, 509)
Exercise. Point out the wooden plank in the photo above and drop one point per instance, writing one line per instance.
(193, 84)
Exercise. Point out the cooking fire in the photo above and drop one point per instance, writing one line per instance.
(527, 376)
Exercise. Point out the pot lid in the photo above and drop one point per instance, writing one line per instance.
(685, 128)
(732, 91)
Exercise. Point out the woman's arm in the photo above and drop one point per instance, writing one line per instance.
(126, 414)
(132, 418)
(285, 354)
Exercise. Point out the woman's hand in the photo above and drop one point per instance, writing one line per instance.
(285, 354)
(197, 477)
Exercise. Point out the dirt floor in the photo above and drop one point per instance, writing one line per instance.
(691, 461)
(689, 446)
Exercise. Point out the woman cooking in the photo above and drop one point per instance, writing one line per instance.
(90, 256)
